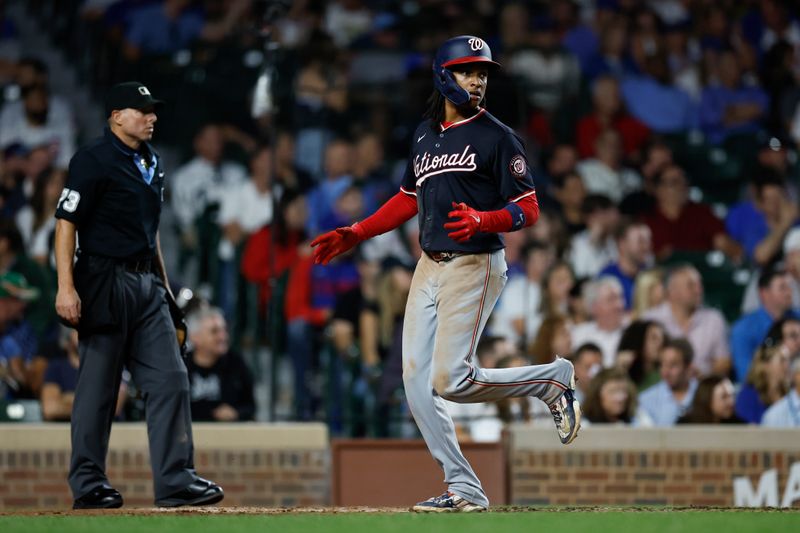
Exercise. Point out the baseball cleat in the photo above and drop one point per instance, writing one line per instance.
(566, 410)
(447, 503)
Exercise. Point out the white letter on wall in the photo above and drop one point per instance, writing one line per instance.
(792, 491)
(767, 494)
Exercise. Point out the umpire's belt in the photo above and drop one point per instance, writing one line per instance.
(443, 257)
(142, 265)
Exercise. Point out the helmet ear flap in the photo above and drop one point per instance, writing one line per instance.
(442, 73)
(450, 88)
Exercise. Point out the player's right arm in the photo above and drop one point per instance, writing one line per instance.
(395, 212)
(77, 199)
(68, 303)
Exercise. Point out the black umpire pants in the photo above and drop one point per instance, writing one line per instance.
(144, 341)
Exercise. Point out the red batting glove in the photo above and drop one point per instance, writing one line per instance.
(467, 223)
(336, 242)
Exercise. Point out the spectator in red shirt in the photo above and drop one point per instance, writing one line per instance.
(273, 249)
(677, 223)
(608, 113)
(311, 293)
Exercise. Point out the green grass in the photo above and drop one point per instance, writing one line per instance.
(535, 522)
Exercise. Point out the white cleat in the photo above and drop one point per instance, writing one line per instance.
(447, 503)
(566, 410)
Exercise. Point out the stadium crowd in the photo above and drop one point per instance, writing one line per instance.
(666, 260)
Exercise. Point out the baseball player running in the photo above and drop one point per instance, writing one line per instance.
(467, 179)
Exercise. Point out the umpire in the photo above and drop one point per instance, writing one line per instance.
(116, 295)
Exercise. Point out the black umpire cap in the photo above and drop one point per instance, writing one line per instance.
(130, 94)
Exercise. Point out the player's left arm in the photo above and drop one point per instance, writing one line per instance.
(515, 182)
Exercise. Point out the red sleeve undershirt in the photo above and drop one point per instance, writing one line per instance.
(401, 207)
(397, 210)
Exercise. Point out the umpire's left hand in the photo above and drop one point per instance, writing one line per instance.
(68, 305)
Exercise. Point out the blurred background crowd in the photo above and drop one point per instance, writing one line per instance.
(664, 134)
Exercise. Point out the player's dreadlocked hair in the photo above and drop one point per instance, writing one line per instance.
(435, 111)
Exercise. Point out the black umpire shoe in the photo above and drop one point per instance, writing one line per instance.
(99, 498)
(200, 492)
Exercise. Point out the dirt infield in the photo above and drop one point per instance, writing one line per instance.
(194, 511)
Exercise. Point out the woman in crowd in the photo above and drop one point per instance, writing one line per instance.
(648, 291)
(557, 283)
(713, 403)
(552, 339)
(612, 400)
(35, 221)
(577, 311)
(638, 351)
(767, 382)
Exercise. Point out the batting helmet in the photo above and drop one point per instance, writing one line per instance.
(458, 51)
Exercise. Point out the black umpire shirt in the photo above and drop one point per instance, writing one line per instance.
(109, 199)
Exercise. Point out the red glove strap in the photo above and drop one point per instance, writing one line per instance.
(397, 210)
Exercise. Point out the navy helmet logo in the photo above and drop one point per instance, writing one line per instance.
(475, 44)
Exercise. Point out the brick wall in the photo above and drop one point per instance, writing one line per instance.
(284, 470)
(639, 477)
(289, 465)
(646, 467)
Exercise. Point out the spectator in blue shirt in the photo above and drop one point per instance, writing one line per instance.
(761, 223)
(786, 411)
(578, 38)
(338, 179)
(60, 378)
(730, 107)
(612, 57)
(654, 100)
(635, 252)
(17, 341)
(775, 294)
(165, 28)
(669, 399)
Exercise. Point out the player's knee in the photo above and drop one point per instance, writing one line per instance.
(411, 374)
(444, 384)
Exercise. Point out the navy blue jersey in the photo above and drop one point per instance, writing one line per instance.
(479, 161)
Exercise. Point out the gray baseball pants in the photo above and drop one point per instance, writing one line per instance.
(448, 306)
